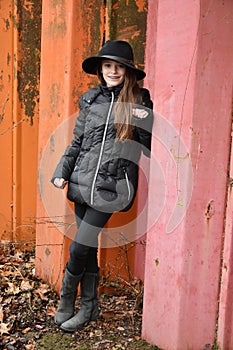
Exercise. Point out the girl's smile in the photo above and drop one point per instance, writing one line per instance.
(113, 72)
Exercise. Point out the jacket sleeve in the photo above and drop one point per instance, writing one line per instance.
(66, 164)
(144, 125)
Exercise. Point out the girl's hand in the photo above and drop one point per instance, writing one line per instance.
(140, 113)
(60, 182)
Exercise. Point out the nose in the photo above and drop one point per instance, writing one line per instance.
(114, 68)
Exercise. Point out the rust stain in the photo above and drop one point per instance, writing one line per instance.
(128, 20)
(52, 143)
(7, 23)
(47, 252)
(180, 202)
(230, 182)
(210, 210)
(27, 70)
(91, 12)
(54, 96)
(8, 58)
(178, 156)
(57, 25)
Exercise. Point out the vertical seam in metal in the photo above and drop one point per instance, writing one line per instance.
(14, 114)
(224, 231)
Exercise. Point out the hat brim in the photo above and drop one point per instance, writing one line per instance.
(90, 65)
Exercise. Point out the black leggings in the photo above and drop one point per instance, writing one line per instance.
(84, 248)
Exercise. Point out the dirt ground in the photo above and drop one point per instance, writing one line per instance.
(27, 308)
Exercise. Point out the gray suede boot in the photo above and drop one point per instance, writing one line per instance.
(67, 297)
(89, 303)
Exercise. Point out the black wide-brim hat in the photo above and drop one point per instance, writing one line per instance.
(115, 50)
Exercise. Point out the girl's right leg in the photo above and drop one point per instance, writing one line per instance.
(82, 266)
(83, 249)
(70, 283)
(83, 258)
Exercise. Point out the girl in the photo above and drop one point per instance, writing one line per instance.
(101, 168)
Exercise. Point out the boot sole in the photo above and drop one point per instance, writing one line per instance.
(73, 330)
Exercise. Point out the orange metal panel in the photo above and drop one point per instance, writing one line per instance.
(20, 58)
(70, 32)
(26, 53)
(62, 82)
(6, 78)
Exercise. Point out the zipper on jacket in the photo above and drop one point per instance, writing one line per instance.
(101, 148)
(127, 182)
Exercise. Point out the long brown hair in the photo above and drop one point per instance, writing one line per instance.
(129, 95)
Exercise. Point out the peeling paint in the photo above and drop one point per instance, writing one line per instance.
(7, 23)
(230, 182)
(177, 156)
(128, 21)
(210, 211)
(54, 96)
(8, 59)
(57, 25)
(47, 252)
(52, 143)
(40, 183)
(28, 26)
(91, 10)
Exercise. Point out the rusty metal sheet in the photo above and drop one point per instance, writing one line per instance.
(127, 20)
(6, 70)
(20, 69)
(71, 30)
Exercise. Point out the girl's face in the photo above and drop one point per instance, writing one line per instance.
(113, 72)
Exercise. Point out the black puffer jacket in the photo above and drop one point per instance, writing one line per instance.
(101, 171)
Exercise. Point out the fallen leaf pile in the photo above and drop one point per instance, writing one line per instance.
(28, 305)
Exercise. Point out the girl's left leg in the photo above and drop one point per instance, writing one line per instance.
(83, 257)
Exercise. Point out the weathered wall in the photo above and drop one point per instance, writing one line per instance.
(189, 73)
(189, 54)
(19, 95)
(62, 83)
(6, 98)
(68, 29)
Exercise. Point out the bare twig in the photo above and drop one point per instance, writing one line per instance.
(3, 108)
(12, 127)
